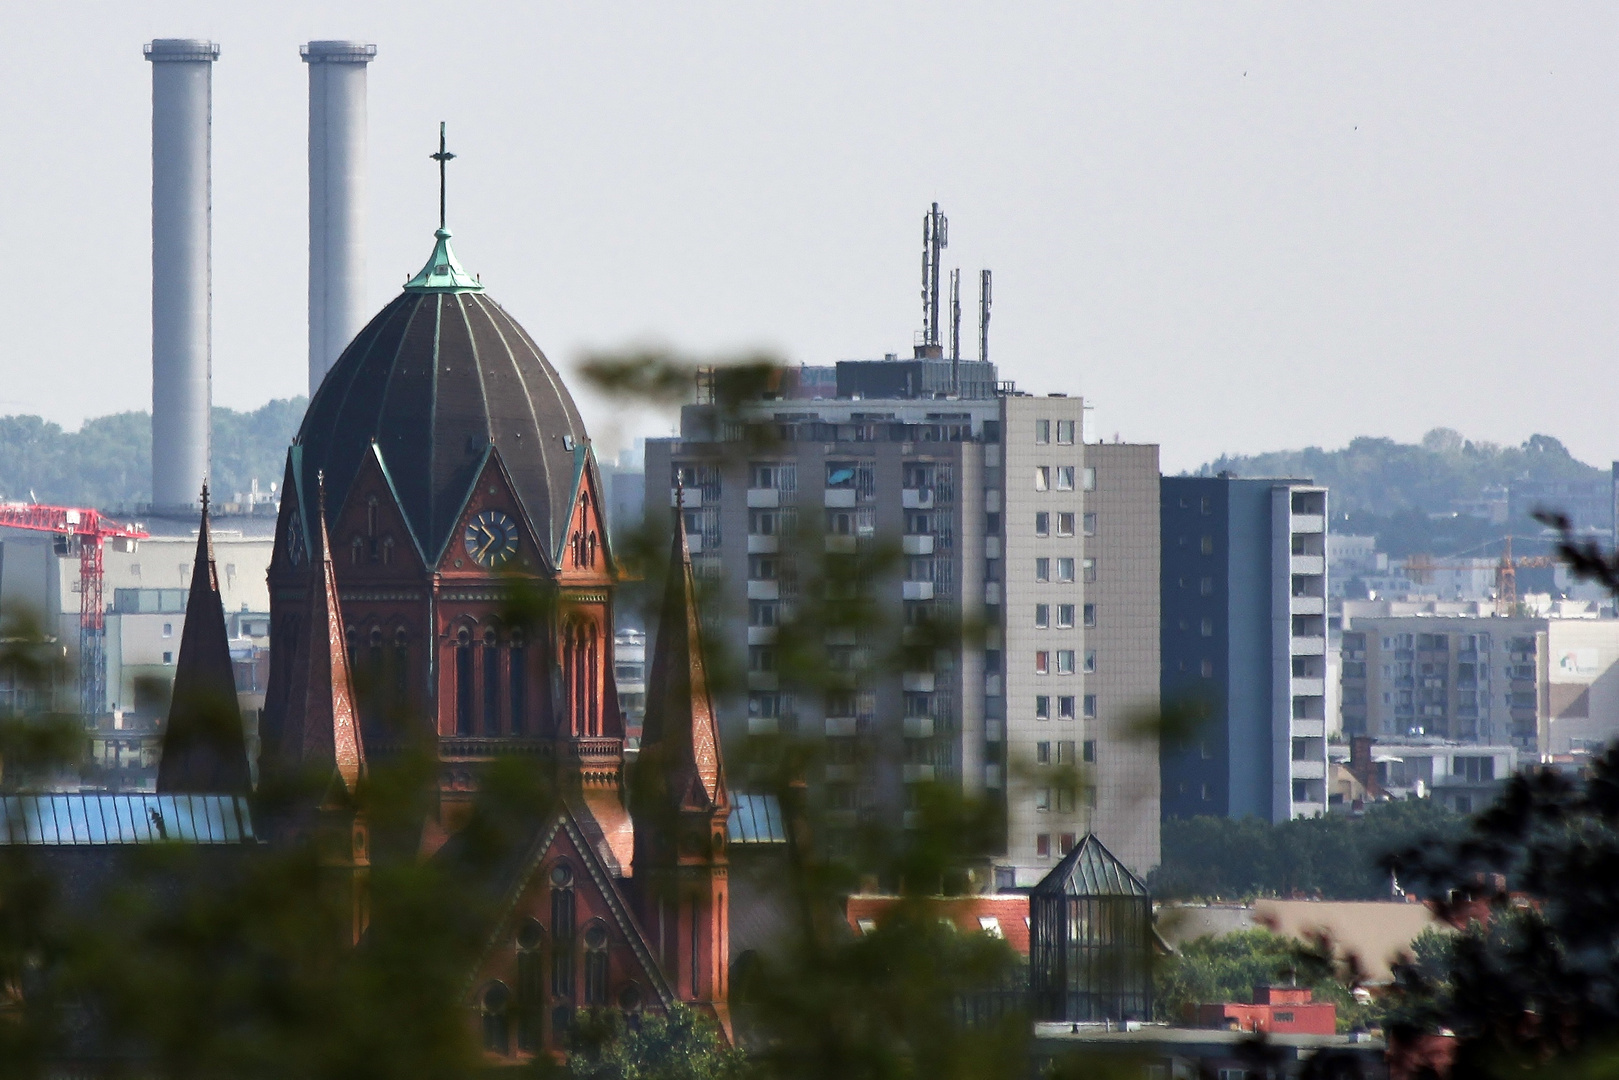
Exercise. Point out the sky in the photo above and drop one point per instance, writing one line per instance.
(1232, 227)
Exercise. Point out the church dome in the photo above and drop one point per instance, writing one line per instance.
(436, 379)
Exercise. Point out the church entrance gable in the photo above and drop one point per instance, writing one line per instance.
(566, 940)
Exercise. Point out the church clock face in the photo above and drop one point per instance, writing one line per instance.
(491, 539)
(295, 545)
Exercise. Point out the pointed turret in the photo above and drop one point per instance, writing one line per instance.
(322, 732)
(204, 749)
(681, 803)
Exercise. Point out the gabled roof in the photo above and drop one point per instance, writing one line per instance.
(1090, 870)
(680, 735)
(204, 749)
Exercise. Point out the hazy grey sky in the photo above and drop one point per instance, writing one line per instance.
(1231, 226)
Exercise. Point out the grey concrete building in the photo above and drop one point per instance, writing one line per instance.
(986, 495)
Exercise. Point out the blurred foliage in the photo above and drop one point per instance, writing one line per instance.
(108, 461)
(682, 1045)
(1333, 857)
(1228, 968)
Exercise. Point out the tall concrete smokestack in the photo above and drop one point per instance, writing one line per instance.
(337, 308)
(182, 267)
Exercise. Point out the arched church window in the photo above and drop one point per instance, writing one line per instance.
(530, 984)
(387, 551)
(491, 683)
(463, 681)
(496, 1018)
(352, 639)
(371, 516)
(517, 672)
(562, 930)
(596, 964)
(356, 551)
(374, 663)
(401, 662)
(630, 998)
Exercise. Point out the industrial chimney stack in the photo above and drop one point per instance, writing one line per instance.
(337, 137)
(182, 269)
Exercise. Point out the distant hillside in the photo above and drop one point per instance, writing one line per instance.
(108, 461)
(1440, 495)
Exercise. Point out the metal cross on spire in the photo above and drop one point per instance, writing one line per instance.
(442, 157)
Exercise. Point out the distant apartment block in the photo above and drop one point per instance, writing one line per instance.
(1005, 520)
(1545, 685)
(1244, 594)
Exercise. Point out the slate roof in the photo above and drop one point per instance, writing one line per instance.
(441, 374)
(1090, 870)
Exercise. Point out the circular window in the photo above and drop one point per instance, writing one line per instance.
(463, 636)
(596, 937)
(489, 636)
(530, 934)
(561, 874)
(629, 998)
(496, 997)
(376, 635)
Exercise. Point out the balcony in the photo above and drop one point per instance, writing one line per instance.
(916, 590)
(992, 593)
(992, 547)
(764, 590)
(840, 497)
(992, 685)
(690, 498)
(694, 543)
(842, 726)
(1307, 605)
(763, 545)
(762, 635)
(919, 727)
(763, 680)
(1308, 564)
(916, 774)
(992, 777)
(841, 545)
(994, 730)
(1309, 646)
(1309, 729)
(918, 545)
(1309, 770)
(1309, 687)
(920, 682)
(763, 498)
(917, 498)
(1308, 523)
(763, 725)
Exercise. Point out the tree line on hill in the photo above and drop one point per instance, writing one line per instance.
(107, 463)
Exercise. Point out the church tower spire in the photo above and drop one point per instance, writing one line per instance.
(681, 803)
(204, 750)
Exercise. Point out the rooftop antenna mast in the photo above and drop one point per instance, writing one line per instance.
(955, 330)
(983, 316)
(935, 237)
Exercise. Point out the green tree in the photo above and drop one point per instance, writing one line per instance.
(1227, 969)
(680, 1045)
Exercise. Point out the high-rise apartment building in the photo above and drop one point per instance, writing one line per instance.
(1244, 636)
(1005, 521)
(1546, 686)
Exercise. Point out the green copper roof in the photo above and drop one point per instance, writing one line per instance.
(443, 272)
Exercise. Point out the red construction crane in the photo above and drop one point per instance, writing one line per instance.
(90, 531)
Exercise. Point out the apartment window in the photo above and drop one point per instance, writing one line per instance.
(168, 658)
(840, 522)
(1042, 846)
(1065, 569)
(918, 524)
(1042, 803)
(1065, 432)
(762, 522)
(1208, 545)
(1206, 792)
(1208, 669)
(992, 570)
(1042, 431)
(767, 706)
(1089, 568)
(1065, 616)
(1206, 586)
(1042, 523)
(1090, 706)
(992, 524)
(1042, 477)
(1065, 661)
(1065, 707)
(761, 658)
(1088, 749)
(1090, 615)
(762, 567)
(1089, 477)
(1065, 524)
(840, 474)
(1042, 616)
(762, 613)
(1042, 707)
(1090, 524)
(1065, 478)
(1090, 661)
(1065, 752)
(1065, 800)
(1042, 753)
(1042, 663)
(1042, 569)
(1206, 628)
(168, 629)
(1208, 506)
